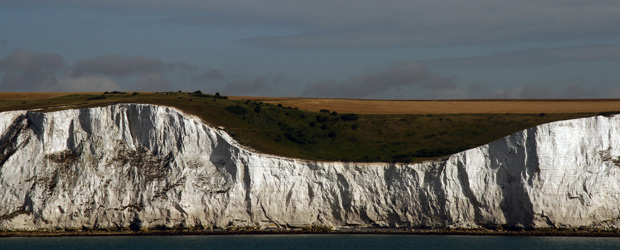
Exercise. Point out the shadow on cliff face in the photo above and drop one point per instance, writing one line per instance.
(9, 141)
(141, 124)
(517, 165)
(223, 175)
(467, 191)
(424, 202)
(222, 158)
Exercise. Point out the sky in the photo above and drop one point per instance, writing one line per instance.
(363, 49)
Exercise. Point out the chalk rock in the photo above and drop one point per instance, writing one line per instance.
(144, 165)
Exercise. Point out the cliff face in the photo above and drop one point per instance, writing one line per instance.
(145, 165)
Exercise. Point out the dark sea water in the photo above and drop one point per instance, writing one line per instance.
(300, 242)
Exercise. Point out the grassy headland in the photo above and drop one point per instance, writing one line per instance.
(318, 135)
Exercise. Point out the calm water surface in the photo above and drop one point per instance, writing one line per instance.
(300, 242)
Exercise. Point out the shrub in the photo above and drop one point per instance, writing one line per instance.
(199, 93)
(349, 117)
(401, 158)
(96, 98)
(236, 110)
(334, 113)
(321, 119)
(324, 110)
(609, 114)
(332, 134)
(298, 137)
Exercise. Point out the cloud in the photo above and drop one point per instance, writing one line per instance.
(613, 93)
(380, 84)
(211, 75)
(449, 94)
(374, 23)
(398, 81)
(25, 60)
(259, 86)
(523, 92)
(27, 81)
(150, 71)
(30, 71)
(537, 92)
(152, 82)
(70, 83)
(184, 66)
(117, 65)
(534, 57)
(395, 23)
(534, 92)
(576, 91)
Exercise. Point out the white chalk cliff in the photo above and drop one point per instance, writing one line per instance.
(150, 165)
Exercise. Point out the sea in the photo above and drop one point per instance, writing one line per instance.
(300, 242)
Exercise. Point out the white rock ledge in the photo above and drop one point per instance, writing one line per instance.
(151, 165)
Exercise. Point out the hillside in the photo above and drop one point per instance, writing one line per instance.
(283, 129)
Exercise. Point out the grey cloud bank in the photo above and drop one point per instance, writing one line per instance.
(30, 71)
(534, 57)
(27, 70)
(117, 65)
(30, 61)
(375, 85)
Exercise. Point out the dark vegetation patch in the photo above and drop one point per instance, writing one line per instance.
(609, 114)
(99, 97)
(238, 110)
(349, 117)
(323, 135)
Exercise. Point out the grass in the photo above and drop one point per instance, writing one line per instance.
(315, 135)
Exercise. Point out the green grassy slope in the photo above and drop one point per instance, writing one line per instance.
(322, 135)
